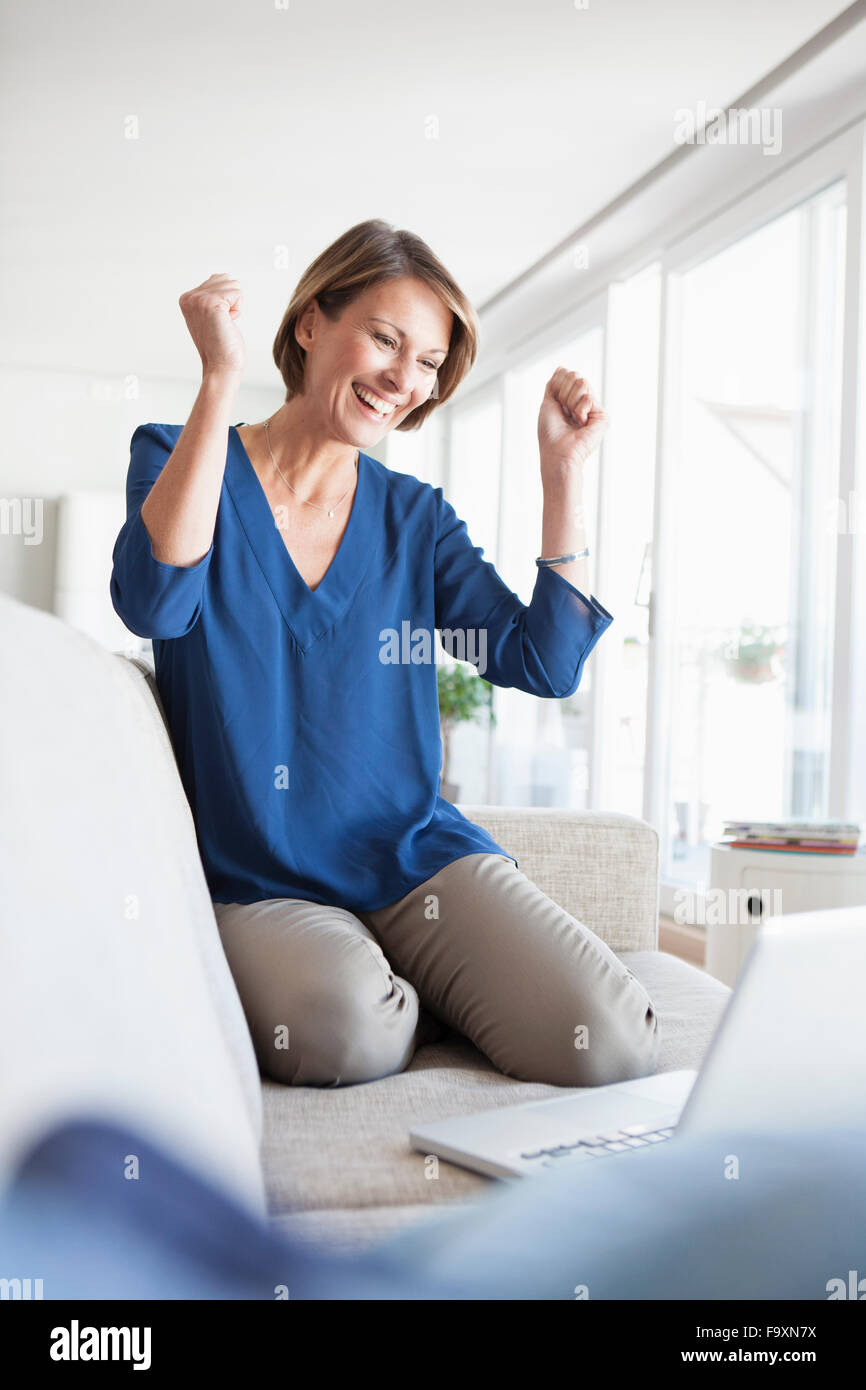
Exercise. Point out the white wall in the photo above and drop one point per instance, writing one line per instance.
(67, 432)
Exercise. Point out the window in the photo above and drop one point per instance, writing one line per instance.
(757, 420)
(624, 542)
(541, 747)
(474, 479)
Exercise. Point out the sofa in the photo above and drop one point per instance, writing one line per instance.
(116, 998)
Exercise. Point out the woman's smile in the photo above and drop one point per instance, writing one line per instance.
(371, 403)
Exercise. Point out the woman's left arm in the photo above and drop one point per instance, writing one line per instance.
(571, 425)
(540, 647)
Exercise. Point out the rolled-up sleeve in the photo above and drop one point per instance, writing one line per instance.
(540, 647)
(151, 598)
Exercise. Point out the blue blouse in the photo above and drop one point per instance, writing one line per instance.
(305, 722)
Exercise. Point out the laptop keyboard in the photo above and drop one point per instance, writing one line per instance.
(597, 1145)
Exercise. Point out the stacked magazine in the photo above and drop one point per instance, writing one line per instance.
(794, 836)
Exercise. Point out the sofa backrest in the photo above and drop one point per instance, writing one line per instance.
(115, 994)
(601, 866)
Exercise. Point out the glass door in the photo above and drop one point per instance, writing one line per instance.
(757, 419)
(541, 747)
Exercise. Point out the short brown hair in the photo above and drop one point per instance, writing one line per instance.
(368, 254)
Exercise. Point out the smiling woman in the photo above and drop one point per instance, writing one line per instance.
(311, 765)
(373, 255)
(376, 335)
(367, 368)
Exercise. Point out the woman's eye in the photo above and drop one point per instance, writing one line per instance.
(384, 339)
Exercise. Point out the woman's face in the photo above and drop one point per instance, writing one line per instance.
(389, 344)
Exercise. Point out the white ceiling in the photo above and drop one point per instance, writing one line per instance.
(262, 126)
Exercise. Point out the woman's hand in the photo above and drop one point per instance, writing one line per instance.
(210, 311)
(571, 423)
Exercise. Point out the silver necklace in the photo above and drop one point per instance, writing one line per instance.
(330, 510)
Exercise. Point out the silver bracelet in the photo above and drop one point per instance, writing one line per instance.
(562, 559)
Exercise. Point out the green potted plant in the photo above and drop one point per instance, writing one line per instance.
(753, 655)
(463, 696)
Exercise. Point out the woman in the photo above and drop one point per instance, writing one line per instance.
(272, 564)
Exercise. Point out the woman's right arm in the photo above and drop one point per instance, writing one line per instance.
(163, 552)
(180, 510)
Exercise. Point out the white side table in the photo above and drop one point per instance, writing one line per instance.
(757, 884)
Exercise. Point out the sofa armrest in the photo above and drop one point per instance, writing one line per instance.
(601, 866)
(116, 1000)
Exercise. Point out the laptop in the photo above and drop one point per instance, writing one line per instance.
(789, 1053)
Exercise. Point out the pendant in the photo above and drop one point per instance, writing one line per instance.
(330, 513)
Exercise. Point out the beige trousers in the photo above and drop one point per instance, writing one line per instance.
(333, 998)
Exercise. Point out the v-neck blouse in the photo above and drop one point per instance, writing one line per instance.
(305, 722)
